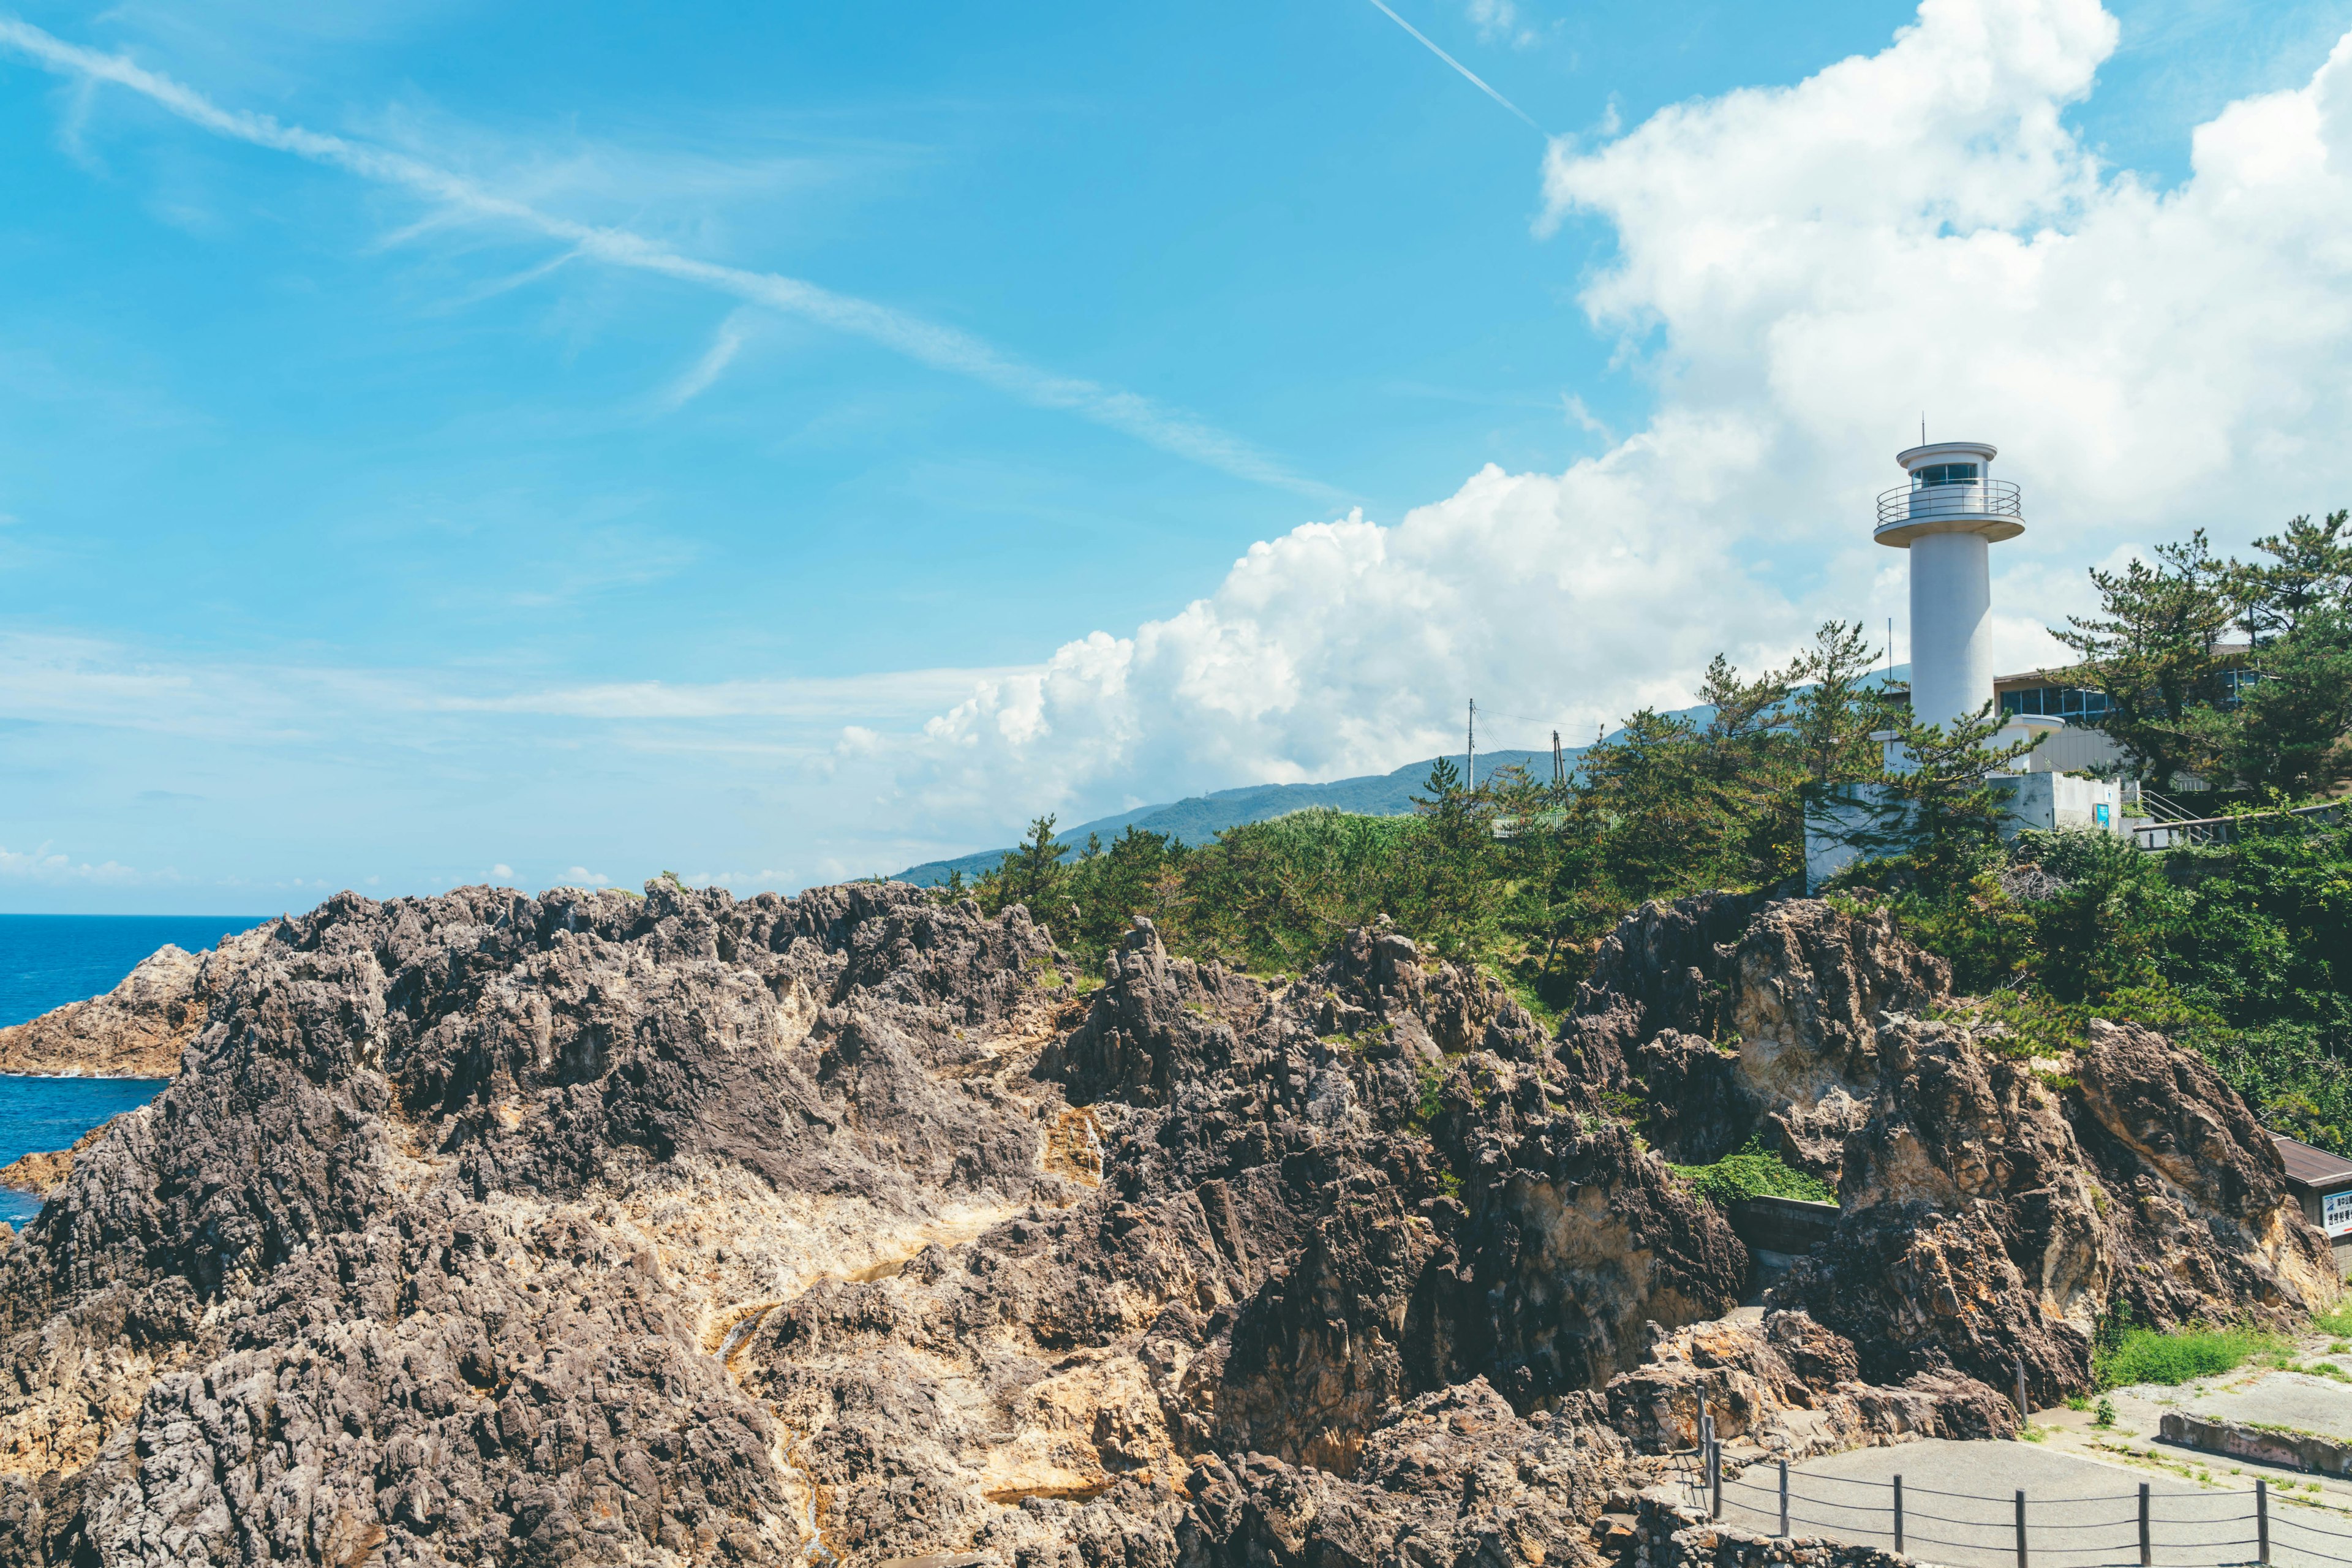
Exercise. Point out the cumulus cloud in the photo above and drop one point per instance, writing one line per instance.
(1497, 22)
(1802, 271)
(43, 864)
(1797, 272)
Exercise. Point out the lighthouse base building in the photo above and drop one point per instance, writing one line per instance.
(1947, 516)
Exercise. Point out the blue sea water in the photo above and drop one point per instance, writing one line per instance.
(46, 961)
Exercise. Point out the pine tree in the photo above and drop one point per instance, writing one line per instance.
(2154, 650)
(1937, 815)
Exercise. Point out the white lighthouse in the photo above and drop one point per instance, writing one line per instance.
(1948, 517)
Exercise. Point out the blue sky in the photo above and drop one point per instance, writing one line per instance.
(443, 443)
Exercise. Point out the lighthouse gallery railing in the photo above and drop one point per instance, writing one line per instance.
(1969, 498)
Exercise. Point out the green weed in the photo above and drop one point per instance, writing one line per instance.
(1754, 1171)
(2150, 1355)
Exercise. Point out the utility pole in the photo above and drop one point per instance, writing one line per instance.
(1559, 767)
(1470, 749)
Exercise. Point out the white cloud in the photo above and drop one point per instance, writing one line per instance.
(43, 864)
(1497, 22)
(502, 871)
(581, 876)
(725, 344)
(1802, 270)
(1797, 272)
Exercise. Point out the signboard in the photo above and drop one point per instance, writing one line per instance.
(2336, 1214)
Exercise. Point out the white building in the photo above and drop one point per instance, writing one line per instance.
(1949, 515)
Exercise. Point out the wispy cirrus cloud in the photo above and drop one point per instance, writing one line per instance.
(725, 344)
(63, 679)
(457, 197)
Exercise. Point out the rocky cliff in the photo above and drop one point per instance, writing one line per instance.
(138, 1028)
(588, 1229)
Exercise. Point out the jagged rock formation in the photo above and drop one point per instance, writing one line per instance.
(136, 1030)
(586, 1228)
(1994, 1208)
(1789, 1387)
(1997, 1209)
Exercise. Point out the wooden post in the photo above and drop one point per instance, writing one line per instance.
(2021, 1531)
(1898, 1516)
(2147, 1554)
(2261, 1519)
(1784, 1497)
(1715, 1499)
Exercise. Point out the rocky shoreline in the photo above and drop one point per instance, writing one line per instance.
(587, 1228)
(138, 1028)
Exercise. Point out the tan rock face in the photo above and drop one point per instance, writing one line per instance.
(1792, 1386)
(138, 1028)
(1994, 1210)
(45, 1171)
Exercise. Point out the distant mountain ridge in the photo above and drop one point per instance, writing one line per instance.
(1198, 818)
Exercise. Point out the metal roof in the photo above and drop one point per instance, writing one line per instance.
(2310, 1167)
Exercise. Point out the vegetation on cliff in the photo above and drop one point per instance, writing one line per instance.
(1754, 1171)
(2241, 949)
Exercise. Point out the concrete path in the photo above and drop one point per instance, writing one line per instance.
(2292, 1399)
(1959, 1509)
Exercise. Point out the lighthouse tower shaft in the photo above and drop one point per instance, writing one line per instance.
(1949, 516)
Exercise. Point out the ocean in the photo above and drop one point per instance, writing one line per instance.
(46, 961)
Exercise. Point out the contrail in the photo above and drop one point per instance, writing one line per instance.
(1476, 79)
(944, 348)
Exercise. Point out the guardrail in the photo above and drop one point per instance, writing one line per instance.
(2188, 833)
(1925, 503)
(2134, 1526)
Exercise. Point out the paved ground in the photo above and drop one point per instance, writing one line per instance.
(2081, 1511)
(2293, 1399)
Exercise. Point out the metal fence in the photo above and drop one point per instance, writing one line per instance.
(2184, 832)
(2060, 1532)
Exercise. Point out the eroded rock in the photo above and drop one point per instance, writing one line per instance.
(588, 1229)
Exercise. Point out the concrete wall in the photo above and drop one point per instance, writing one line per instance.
(2045, 801)
(1663, 1535)
(2307, 1451)
(2073, 749)
(1783, 1224)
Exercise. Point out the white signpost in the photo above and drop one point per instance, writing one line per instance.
(2336, 1214)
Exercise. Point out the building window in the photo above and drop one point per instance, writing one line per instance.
(1945, 474)
(2055, 702)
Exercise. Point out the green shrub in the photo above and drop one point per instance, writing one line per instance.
(1432, 1099)
(2150, 1355)
(1754, 1171)
(2334, 1321)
